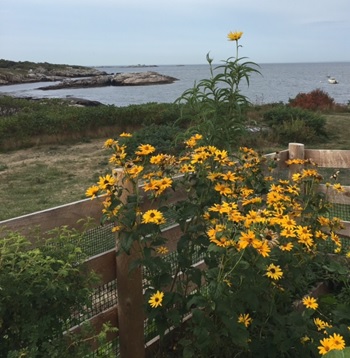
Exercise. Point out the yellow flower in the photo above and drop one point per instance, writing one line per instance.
(304, 339)
(145, 149)
(117, 157)
(310, 302)
(321, 325)
(228, 283)
(223, 189)
(234, 36)
(304, 235)
(92, 191)
(156, 299)
(263, 248)
(164, 183)
(135, 170)
(323, 221)
(325, 346)
(338, 188)
(106, 181)
(193, 140)
(162, 250)
(288, 223)
(109, 143)
(229, 176)
(337, 341)
(187, 168)
(221, 156)
(274, 272)
(286, 247)
(245, 319)
(153, 217)
(127, 135)
(248, 239)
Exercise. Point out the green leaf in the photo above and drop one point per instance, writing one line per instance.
(339, 354)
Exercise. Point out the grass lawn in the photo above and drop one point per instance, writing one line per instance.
(46, 176)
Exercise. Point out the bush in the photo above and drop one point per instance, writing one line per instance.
(316, 100)
(290, 124)
(161, 136)
(263, 242)
(40, 288)
(24, 119)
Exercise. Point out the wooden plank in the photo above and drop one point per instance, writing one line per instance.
(110, 315)
(329, 158)
(346, 230)
(104, 265)
(279, 157)
(172, 234)
(130, 291)
(334, 197)
(64, 215)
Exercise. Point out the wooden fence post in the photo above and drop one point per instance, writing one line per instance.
(296, 151)
(130, 294)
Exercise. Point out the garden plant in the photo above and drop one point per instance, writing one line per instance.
(264, 243)
(40, 289)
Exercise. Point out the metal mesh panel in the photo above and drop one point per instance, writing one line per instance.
(107, 350)
(98, 240)
(104, 297)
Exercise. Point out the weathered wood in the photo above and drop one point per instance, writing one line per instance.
(64, 215)
(335, 197)
(130, 292)
(280, 157)
(296, 151)
(104, 265)
(329, 158)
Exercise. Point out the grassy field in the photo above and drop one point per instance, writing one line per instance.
(45, 176)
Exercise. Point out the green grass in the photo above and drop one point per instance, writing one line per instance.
(61, 178)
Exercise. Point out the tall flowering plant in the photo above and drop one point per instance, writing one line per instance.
(251, 249)
(216, 106)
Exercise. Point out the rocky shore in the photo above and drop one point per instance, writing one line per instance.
(119, 79)
(17, 75)
(74, 76)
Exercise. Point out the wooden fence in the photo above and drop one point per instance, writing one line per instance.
(127, 311)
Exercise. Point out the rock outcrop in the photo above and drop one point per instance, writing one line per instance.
(42, 74)
(119, 79)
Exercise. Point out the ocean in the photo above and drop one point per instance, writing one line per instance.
(277, 83)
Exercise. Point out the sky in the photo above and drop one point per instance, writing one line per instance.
(162, 32)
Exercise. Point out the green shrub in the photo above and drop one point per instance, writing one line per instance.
(23, 119)
(290, 124)
(316, 100)
(39, 289)
(161, 136)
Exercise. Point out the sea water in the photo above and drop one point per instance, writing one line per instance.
(275, 83)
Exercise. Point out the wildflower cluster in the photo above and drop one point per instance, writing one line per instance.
(250, 246)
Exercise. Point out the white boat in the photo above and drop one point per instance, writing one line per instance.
(332, 80)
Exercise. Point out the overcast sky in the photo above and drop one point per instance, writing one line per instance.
(156, 32)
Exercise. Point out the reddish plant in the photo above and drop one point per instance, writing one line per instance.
(315, 100)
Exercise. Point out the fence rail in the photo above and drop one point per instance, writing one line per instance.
(124, 308)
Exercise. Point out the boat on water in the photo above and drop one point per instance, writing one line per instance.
(332, 80)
